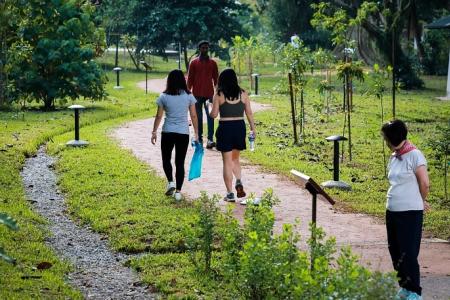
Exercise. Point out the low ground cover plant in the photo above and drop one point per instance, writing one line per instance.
(253, 263)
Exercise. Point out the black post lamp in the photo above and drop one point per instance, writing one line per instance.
(77, 142)
(336, 183)
(117, 70)
(256, 76)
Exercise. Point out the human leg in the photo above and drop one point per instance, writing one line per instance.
(227, 160)
(404, 234)
(210, 122)
(410, 234)
(237, 171)
(199, 109)
(181, 146)
(392, 238)
(167, 145)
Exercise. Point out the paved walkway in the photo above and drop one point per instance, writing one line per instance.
(365, 234)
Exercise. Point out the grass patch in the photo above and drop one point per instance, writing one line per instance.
(21, 132)
(365, 173)
(109, 189)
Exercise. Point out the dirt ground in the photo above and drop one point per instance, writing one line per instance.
(366, 235)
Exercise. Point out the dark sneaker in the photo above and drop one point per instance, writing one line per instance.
(240, 190)
(229, 197)
(210, 144)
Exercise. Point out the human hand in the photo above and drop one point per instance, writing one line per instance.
(426, 206)
(153, 138)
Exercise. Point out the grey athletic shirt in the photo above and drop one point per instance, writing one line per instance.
(176, 108)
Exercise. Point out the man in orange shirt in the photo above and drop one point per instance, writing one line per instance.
(202, 78)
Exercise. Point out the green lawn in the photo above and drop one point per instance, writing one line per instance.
(123, 198)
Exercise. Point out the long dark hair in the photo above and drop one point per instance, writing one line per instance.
(228, 84)
(176, 83)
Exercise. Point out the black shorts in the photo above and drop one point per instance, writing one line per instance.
(230, 135)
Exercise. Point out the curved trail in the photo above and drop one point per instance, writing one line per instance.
(99, 273)
(365, 234)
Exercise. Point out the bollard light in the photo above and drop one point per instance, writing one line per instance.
(77, 142)
(336, 183)
(117, 70)
(256, 77)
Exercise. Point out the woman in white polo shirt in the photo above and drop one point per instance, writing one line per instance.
(406, 201)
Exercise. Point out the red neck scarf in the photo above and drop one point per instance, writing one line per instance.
(407, 147)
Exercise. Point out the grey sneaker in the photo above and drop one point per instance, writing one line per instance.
(170, 188)
(229, 197)
(178, 196)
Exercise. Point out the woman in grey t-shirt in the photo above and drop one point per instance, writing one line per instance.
(406, 201)
(176, 101)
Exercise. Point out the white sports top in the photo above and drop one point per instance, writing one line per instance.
(404, 193)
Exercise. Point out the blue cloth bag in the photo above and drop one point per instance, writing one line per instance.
(195, 170)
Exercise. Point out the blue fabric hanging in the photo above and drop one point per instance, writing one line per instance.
(195, 170)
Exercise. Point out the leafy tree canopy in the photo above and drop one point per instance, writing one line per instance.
(289, 17)
(160, 23)
(52, 58)
(385, 22)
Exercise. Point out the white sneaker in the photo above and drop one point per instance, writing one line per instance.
(255, 201)
(178, 196)
(170, 188)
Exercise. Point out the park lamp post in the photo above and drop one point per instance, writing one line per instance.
(147, 67)
(117, 70)
(77, 142)
(336, 183)
(256, 83)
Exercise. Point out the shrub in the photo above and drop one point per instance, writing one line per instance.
(256, 264)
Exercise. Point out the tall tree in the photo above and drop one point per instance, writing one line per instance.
(9, 18)
(159, 23)
(385, 21)
(58, 44)
(288, 17)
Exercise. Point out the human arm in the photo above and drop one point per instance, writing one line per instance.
(194, 119)
(215, 106)
(424, 184)
(158, 117)
(249, 112)
(215, 74)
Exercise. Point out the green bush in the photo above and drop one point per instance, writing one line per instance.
(253, 263)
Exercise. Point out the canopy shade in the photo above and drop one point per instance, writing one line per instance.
(442, 23)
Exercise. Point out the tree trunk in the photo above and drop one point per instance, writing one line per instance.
(445, 177)
(49, 104)
(417, 30)
(134, 58)
(2, 74)
(186, 60)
